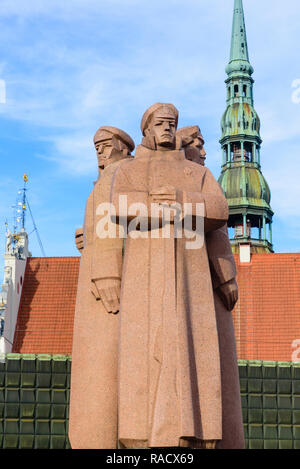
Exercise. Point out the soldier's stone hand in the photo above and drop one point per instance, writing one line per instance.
(164, 195)
(79, 239)
(108, 291)
(228, 293)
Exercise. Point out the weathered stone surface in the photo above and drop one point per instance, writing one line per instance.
(93, 400)
(169, 364)
(151, 330)
(223, 271)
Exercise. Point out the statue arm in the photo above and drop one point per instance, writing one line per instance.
(228, 294)
(222, 266)
(82, 234)
(220, 256)
(105, 260)
(106, 268)
(124, 195)
(215, 203)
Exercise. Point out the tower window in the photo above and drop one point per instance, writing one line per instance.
(248, 152)
(236, 90)
(244, 91)
(239, 231)
(236, 152)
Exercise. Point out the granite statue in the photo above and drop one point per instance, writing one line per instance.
(223, 273)
(169, 382)
(94, 398)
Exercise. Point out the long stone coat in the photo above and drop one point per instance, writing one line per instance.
(169, 364)
(223, 270)
(93, 399)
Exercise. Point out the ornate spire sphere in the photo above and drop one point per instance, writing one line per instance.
(244, 185)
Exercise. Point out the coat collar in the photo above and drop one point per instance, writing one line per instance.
(143, 152)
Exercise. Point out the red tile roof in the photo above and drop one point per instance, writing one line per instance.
(266, 317)
(46, 311)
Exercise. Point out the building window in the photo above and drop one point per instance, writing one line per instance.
(238, 231)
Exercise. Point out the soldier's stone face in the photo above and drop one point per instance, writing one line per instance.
(195, 150)
(163, 128)
(198, 143)
(105, 151)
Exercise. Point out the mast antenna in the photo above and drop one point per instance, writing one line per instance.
(20, 208)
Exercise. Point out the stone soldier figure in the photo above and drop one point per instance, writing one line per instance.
(223, 271)
(169, 365)
(93, 400)
(193, 144)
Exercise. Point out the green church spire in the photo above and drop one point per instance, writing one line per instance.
(244, 185)
(239, 47)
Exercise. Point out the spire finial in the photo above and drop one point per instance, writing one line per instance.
(239, 47)
(239, 56)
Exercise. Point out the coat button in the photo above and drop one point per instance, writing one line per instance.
(187, 171)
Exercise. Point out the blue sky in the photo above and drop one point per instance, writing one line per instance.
(73, 66)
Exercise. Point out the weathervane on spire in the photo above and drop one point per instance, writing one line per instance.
(17, 240)
(25, 179)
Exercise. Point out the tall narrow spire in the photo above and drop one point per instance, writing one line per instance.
(239, 56)
(245, 188)
(239, 47)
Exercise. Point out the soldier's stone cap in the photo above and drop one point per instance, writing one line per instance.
(189, 132)
(167, 109)
(105, 132)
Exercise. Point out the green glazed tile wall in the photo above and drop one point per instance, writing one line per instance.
(271, 404)
(34, 398)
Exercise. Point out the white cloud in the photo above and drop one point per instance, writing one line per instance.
(71, 66)
(74, 154)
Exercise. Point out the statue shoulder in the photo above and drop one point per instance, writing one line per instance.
(195, 169)
(120, 165)
(129, 169)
